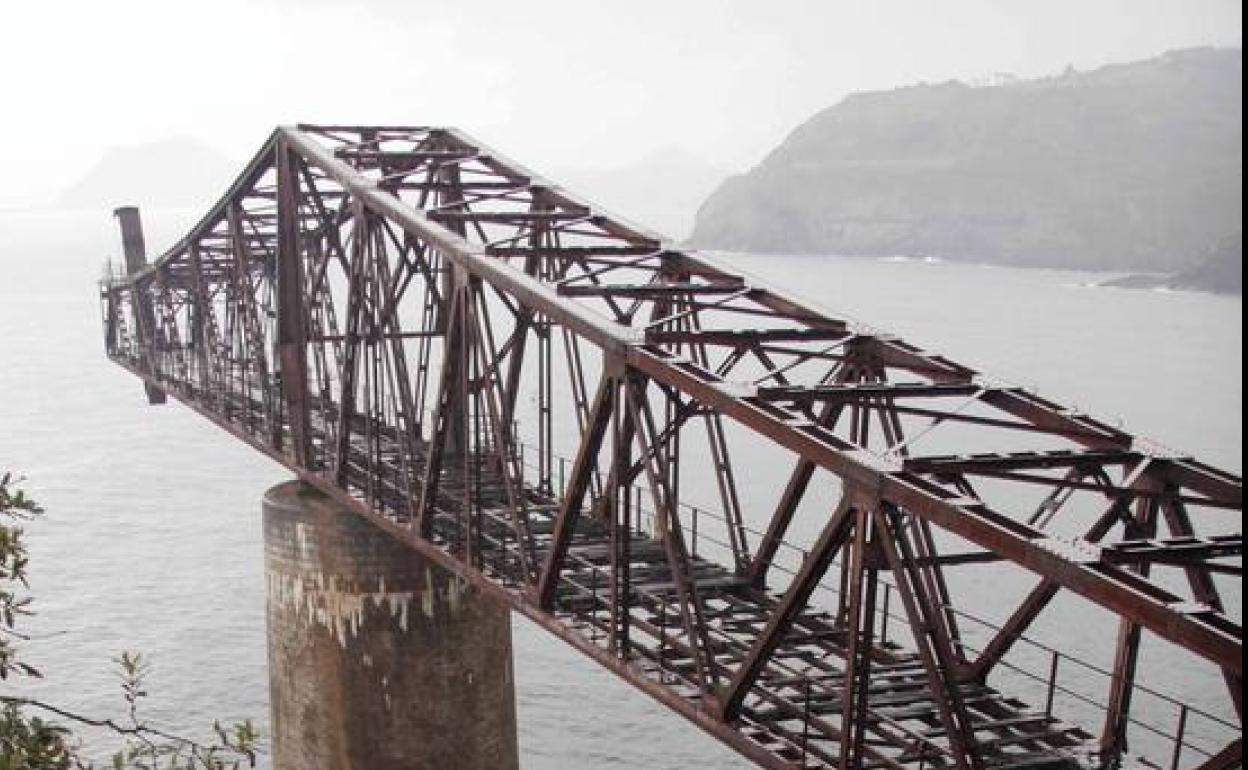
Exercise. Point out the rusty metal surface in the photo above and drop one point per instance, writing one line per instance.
(387, 311)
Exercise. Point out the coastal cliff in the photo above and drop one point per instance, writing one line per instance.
(1132, 167)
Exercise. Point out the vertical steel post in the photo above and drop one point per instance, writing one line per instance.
(140, 301)
(694, 550)
(1178, 737)
(888, 595)
(619, 500)
(132, 243)
(292, 334)
(1114, 735)
(1048, 700)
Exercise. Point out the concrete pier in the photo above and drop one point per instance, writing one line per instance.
(378, 660)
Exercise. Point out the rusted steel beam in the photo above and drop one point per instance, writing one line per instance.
(448, 433)
(1231, 756)
(144, 316)
(865, 559)
(738, 337)
(1184, 550)
(605, 333)
(934, 648)
(1208, 481)
(795, 599)
(292, 333)
(854, 390)
(1143, 524)
(582, 471)
(794, 490)
(620, 518)
(1204, 588)
(1036, 601)
(646, 291)
(1020, 460)
(506, 457)
(1150, 605)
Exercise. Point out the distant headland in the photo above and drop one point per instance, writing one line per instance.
(1133, 168)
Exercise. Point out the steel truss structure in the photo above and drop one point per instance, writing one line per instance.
(425, 329)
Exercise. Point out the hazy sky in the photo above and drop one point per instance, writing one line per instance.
(555, 84)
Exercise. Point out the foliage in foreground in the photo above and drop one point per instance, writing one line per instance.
(32, 733)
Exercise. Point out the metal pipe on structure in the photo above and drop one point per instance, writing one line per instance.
(135, 251)
(132, 238)
(378, 659)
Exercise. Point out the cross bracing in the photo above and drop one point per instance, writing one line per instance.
(552, 403)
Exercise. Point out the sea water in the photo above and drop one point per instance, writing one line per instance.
(152, 538)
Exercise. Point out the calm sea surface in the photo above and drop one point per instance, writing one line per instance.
(152, 539)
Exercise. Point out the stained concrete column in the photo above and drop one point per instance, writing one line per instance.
(378, 660)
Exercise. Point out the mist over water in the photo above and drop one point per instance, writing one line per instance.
(153, 541)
